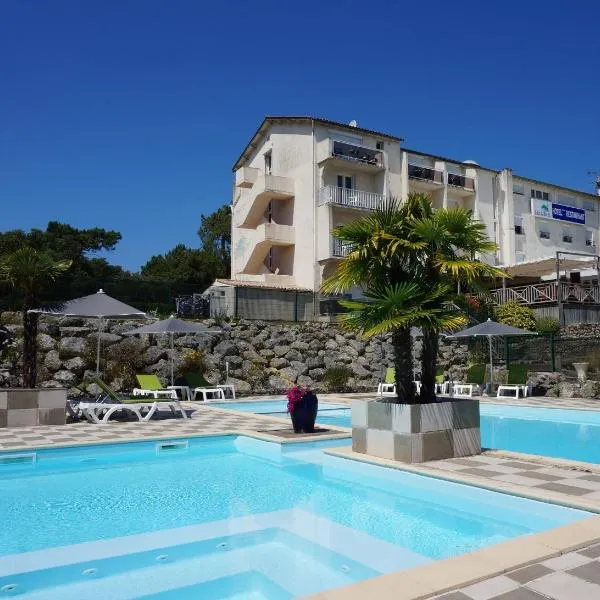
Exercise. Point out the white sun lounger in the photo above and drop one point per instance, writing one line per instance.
(216, 394)
(166, 393)
(96, 412)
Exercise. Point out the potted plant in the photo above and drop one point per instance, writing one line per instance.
(303, 406)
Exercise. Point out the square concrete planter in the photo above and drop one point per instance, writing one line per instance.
(31, 407)
(416, 433)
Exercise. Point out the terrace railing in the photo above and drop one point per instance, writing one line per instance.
(548, 293)
(332, 194)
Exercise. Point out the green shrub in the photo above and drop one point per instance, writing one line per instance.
(124, 360)
(194, 361)
(515, 315)
(547, 325)
(336, 378)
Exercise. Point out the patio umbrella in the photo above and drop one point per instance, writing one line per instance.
(490, 329)
(172, 326)
(95, 306)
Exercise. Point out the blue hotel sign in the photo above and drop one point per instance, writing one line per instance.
(557, 212)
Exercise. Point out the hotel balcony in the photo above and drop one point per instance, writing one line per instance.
(424, 178)
(461, 185)
(245, 177)
(356, 199)
(340, 249)
(265, 237)
(347, 155)
(252, 203)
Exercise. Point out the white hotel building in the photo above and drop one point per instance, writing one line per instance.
(300, 177)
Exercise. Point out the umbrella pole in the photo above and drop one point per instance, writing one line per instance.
(98, 348)
(172, 351)
(491, 366)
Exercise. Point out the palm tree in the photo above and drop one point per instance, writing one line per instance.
(27, 270)
(409, 259)
(384, 262)
(449, 241)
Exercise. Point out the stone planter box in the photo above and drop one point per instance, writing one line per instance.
(416, 433)
(31, 407)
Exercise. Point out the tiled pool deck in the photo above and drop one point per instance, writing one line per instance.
(561, 564)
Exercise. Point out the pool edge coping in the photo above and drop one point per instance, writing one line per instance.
(492, 485)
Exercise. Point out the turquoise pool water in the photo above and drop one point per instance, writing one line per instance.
(232, 517)
(559, 433)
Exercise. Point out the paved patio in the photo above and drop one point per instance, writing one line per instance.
(571, 576)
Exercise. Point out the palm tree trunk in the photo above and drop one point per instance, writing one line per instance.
(429, 365)
(405, 385)
(30, 325)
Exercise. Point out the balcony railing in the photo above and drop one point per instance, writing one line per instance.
(547, 293)
(425, 174)
(354, 153)
(332, 194)
(340, 249)
(461, 181)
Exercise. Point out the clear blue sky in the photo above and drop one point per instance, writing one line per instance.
(129, 114)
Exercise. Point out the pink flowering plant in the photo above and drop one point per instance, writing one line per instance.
(295, 395)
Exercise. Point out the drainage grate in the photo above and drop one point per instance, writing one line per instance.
(28, 458)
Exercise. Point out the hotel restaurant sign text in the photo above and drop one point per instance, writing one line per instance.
(557, 212)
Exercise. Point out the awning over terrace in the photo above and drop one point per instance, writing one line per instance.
(545, 267)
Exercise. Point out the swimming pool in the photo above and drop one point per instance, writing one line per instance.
(559, 433)
(232, 517)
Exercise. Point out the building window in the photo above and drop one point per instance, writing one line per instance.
(544, 234)
(379, 145)
(345, 181)
(539, 195)
(268, 163)
(590, 239)
(567, 237)
(518, 188)
(520, 257)
(519, 226)
(589, 205)
(566, 200)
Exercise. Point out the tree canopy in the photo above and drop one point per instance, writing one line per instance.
(180, 270)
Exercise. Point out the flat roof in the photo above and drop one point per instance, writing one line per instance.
(270, 119)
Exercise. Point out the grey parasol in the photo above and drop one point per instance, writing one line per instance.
(95, 306)
(172, 326)
(490, 329)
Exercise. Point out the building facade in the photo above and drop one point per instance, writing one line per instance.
(300, 177)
